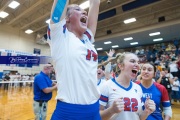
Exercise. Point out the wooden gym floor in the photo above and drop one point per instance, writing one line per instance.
(16, 104)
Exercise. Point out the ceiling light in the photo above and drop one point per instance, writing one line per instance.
(115, 46)
(129, 38)
(158, 39)
(129, 20)
(134, 43)
(153, 34)
(48, 21)
(28, 31)
(108, 42)
(84, 5)
(14, 4)
(3, 14)
(99, 48)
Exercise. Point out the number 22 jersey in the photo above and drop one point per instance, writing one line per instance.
(111, 91)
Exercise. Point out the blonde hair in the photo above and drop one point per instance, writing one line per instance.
(120, 60)
(69, 7)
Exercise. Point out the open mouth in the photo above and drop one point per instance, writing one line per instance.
(134, 71)
(83, 20)
(99, 73)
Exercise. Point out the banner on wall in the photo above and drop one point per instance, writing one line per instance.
(27, 60)
(21, 59)
(13, 65)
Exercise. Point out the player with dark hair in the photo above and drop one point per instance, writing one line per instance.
(156, 92)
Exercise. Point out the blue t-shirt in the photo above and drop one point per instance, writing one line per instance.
(42, 81)
(159, 95)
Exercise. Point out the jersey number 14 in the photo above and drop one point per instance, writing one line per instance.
(91, 54)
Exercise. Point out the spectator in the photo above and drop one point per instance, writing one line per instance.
(173, 68)
(43, 87)
(175, 90)
(166, 82)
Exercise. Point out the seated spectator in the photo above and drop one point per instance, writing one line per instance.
(151, 59)
(157, 61)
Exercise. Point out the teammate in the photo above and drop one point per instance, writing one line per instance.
(121, 96)
(101, 79)
(156, 92)
(72, 35)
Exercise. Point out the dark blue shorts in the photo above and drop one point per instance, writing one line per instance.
(66, 111)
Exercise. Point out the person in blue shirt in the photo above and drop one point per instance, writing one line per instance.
(156, 92)
(43, 87)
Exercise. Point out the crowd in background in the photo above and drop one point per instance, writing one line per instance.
(166, 58)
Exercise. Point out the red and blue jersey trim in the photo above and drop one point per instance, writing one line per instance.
(88, 35)
(49, 33)
(104, 98)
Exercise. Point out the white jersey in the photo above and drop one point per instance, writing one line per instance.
(100, 83)
(131, 95)
(75, 65)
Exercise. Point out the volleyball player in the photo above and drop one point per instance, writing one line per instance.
(156, 92)
(72, 33)
(121, 97)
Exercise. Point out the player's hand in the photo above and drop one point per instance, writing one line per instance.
(118, 105)
(150, 106)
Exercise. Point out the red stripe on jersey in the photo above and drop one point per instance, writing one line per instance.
(163, 91)
(138, 82)
(103, 98)
(88, 35)
(49, 33)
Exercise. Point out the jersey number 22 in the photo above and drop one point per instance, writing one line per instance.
(130, 104)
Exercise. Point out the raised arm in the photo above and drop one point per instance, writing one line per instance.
(93, 15)
(58, 10)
